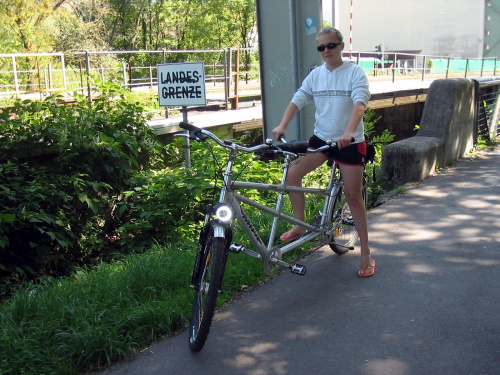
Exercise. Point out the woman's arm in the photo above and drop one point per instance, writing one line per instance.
(356, 115)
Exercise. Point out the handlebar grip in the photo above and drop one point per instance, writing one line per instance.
(186, 126)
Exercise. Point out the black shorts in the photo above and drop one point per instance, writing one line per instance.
(355, 154)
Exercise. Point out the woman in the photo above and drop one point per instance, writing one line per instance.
(339, 90)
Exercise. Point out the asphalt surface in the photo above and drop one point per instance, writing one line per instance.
(433, 306)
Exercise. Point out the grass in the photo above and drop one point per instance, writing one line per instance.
(87, 321)
(400, 190)
(485, 143)
(94, 318)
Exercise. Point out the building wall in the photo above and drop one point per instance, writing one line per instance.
(492, 29)
(453, 28)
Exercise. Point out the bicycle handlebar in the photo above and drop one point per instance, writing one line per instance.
(200, 135)
(190, 127)
(295, 148)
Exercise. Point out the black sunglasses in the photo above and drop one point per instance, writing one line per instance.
(329, 46)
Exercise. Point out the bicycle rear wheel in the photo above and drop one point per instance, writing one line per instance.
(207, 282)
(344, 234)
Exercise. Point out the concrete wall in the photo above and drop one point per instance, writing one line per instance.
(492, 29)
(445, 135)
(287, 47)
(399, 119)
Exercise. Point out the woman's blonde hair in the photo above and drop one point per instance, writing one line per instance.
(331, 30)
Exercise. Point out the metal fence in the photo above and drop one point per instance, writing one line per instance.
(45, 73)
(399, 65)
(487, 107)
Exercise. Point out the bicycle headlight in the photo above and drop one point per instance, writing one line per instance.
(224, 213)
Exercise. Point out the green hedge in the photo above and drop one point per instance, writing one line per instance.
(82, 182)
(61, 168)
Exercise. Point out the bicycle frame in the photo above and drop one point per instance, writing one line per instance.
(229, 209)
(270, 253)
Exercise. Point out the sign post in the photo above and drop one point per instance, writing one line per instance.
(182, 84)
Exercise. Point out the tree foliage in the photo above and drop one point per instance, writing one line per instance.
(66, 25)
(29, 22)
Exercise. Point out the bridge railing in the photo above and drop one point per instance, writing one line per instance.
(42, 74)
(487, 107)
(39, 75)
(400, 65)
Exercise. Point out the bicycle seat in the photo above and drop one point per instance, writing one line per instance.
(297, 147)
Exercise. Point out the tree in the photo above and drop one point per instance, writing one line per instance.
(27, 22)
(26, 19)
(45, 25)
(180, 24)
(82, 27)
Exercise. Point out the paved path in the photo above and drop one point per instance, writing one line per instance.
(433, 306)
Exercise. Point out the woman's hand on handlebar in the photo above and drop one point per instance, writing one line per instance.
(279, 132)
(345, 140)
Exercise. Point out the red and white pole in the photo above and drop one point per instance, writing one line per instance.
(350, 34)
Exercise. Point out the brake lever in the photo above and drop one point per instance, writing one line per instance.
(193, 136)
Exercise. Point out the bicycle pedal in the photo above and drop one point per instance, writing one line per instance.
(298, 269)
(236, 248)
(348, 221)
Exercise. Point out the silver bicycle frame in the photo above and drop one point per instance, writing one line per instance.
(231, 198)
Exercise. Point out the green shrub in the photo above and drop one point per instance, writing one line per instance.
(60, 167)
(169, 203)
(373, 169)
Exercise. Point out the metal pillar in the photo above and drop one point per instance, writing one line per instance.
(87, 68)
(287, 46)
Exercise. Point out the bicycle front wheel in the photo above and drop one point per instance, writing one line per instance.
(344, 234)
(207, 284)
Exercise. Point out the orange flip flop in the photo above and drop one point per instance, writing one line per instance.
(288, 236)
(367, 271)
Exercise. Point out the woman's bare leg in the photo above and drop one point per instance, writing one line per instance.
(295, 175)
(352, 175)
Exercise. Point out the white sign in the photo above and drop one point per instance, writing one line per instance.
(181, 84)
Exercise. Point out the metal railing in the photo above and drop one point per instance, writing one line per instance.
(399, 65)
(487, 111)
(34, 75)
(45, 73)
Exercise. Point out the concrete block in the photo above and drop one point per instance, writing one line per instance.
(445, 134)
(449, 114)
(410, 160)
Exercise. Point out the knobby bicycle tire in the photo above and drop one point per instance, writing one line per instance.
(207, 284)
(344, 234)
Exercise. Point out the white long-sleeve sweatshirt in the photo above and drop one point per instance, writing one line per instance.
(334, 94)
